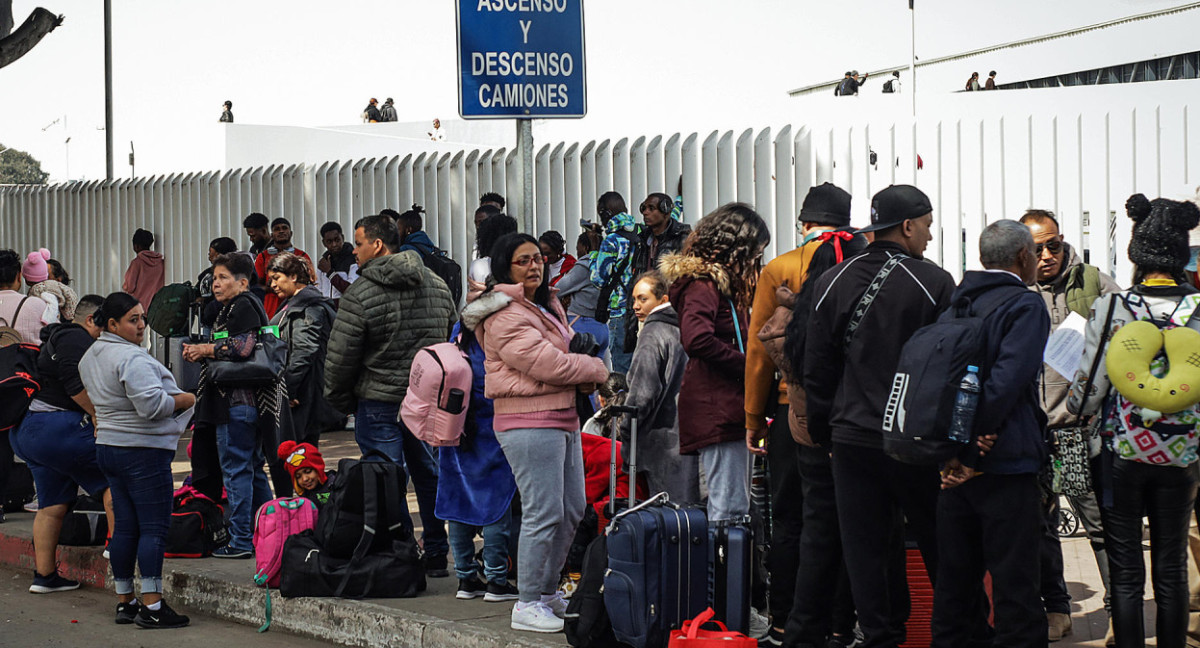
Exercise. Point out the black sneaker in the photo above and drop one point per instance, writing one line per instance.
(469, 588)
(51, 583)
(497, 592)
(435, 567)
(230, 552)
(163, 617)
(127, 612)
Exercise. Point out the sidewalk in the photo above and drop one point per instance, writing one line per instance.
(225, 589)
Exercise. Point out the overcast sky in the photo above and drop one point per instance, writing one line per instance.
(310, 63)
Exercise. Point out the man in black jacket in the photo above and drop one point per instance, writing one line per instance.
(664, 232)
(865, 309)
(989, 512)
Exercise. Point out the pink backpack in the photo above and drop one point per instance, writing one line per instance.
(275, 522)
(439, 390)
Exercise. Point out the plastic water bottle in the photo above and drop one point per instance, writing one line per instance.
(964, 406)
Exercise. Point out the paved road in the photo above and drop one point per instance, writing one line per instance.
(84, 617)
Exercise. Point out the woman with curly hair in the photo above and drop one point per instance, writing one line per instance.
(712, 283)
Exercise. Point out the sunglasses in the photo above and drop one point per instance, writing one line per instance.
(525, 261)
(1055, 246)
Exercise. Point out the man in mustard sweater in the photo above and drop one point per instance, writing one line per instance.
(825, 208)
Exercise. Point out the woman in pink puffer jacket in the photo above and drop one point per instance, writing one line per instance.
(532, 377)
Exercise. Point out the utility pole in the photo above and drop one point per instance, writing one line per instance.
(108, 93)
(525, 148)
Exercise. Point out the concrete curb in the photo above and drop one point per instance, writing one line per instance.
(341, 621)
(84, 564)
(219, 589)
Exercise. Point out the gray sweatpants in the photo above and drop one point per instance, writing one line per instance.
(548, 467)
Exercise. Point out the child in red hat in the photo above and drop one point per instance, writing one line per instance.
(307, 468)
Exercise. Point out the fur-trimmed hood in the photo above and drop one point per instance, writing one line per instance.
(483, 306)
(677, 266)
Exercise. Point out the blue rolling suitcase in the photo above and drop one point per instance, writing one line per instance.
(657, 574)
(731, 565)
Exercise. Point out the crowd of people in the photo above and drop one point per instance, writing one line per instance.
(728, 363)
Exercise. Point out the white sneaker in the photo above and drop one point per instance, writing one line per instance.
(759, 624)
(556, 602)
(535, 616)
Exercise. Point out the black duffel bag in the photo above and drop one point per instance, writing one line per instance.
(85, 524)
(197, 527)
(307, 570)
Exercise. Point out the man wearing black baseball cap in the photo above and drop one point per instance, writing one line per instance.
(865, 310)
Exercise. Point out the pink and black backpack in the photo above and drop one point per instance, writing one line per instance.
(275, 522)
(439, 392)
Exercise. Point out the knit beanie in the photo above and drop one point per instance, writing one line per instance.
(1160, 233)
(34, 269)
(302, 455)
(826, 204)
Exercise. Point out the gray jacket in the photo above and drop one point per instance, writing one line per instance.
(577, 284)
(655, 375)
(132, 393)
(1058, 294)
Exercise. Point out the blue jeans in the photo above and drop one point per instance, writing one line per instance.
(495, 548)
(60, 448)
(616, 344)
(727, 467)
(142, 491)
(589, 325)
(377, 427)
(246, 482)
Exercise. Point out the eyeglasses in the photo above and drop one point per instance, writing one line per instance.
(525, 261)
(1055, 246)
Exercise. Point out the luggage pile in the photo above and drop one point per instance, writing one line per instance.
(657, 567)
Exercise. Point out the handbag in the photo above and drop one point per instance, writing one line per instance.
(1071, 463)
(691, 636)
(262, 369)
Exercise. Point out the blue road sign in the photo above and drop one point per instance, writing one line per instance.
(521, 59)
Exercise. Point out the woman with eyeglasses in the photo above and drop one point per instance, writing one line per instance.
(712, 285)
(135, 398)
(532, 377)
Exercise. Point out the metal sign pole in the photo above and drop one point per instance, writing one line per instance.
(525, 148)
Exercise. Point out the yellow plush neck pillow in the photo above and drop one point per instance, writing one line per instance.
(1130, 352)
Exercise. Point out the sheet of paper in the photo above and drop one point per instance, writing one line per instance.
(182, 418)
(1064, 349)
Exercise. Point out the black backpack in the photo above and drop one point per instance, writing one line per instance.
(443, 266)
(366, 505)
(888, 86)
(197, 527)
(168, 312)
(586, 621)
(18, 382)
(932, 363)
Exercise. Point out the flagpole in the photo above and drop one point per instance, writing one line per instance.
(912, 13)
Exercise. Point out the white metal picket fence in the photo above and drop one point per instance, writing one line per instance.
(1083, 167)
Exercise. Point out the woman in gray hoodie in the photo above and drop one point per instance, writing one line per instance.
(137, 435)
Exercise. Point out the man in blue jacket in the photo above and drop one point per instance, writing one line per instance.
(988, 515)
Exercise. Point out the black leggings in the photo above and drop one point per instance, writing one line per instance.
(1167, 496)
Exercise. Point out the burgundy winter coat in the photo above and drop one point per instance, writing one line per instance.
(712, 396)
